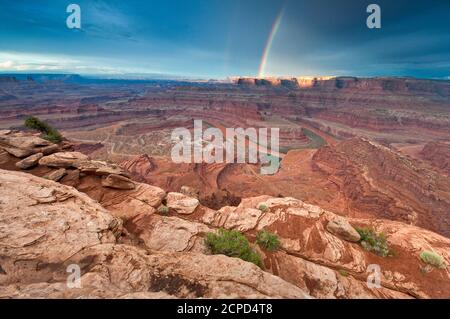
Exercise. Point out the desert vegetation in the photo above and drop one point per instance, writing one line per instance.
(343, 273)
(433, 259)
(232, 243)
(374, 242)
(49, 133)
(163, 210)
(268, 240)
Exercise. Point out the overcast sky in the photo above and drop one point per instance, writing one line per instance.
(220, 38)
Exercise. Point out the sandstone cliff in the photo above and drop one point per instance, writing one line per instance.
(378, 179)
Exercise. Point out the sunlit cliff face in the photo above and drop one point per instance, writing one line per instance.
(307, 81)
(302, 81)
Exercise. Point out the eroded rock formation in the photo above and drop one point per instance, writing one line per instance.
(378, 179)
(57, 226)
(46, 227)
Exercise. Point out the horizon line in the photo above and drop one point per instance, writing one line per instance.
(167, 77)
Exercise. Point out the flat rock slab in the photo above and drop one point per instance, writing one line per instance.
(56, 175)
(63, 159)
(30, 161)
(339, 226)
(118, 182)
(181, 203)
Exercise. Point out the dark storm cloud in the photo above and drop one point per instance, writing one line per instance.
(219, 38)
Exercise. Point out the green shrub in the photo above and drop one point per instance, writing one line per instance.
(432, 258)
(49, 133)
(232, 244)
(343, 273)
(376, 243)
(263, 208)
(36, 124)
(163, 210)
(267, 240)
(53, 137)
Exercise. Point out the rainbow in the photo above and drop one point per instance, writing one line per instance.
(266, 52)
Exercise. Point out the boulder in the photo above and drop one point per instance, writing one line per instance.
(339, 226)
(190, 191)
(149, 194)
(47, 150)
(106, 170)
(238, 218)
(18, 152)
(63, 159)
(126, 204)
(24, 141)
(56, 175)
(99, 168)
(181, 203)
(170, 234)
(118, 182)
(30, 161)
(276, 202)
(47, 223)
(21, 145)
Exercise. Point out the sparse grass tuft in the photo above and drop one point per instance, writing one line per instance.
(163, 210)
(343, 273)
(268, 240)
(433, 259)
(376, 243)
(232, 243)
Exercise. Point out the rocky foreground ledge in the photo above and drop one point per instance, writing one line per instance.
(96, 217)
(47, 226)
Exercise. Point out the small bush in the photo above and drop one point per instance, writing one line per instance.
(53, 137)
(232, 243)
(267, 240)
(163, 210)
(263, 208)
(343, 273)
(49, 133)
(433, 259)
(376, 243)
(36, 124)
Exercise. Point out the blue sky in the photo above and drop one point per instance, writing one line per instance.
(220, 38)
